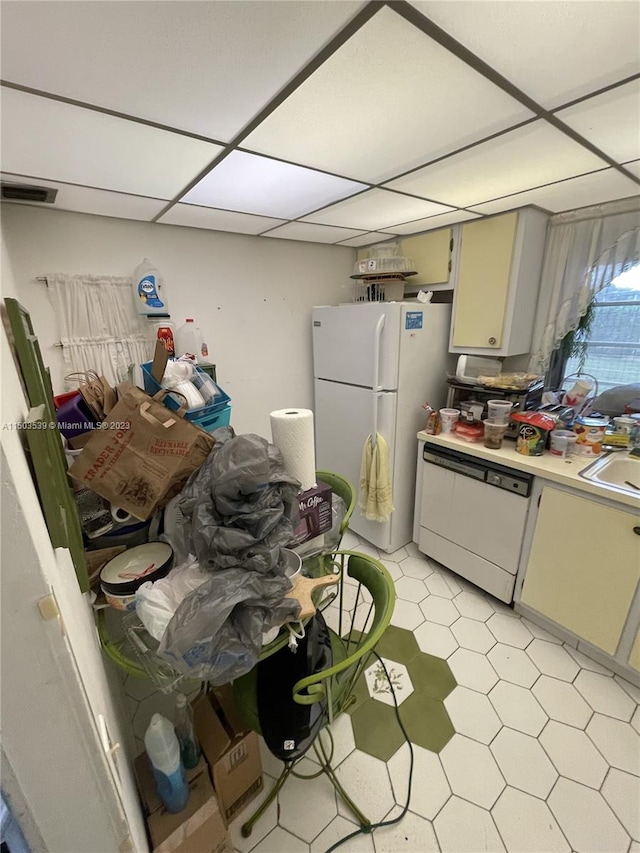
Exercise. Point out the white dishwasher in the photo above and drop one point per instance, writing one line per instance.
(472, 515)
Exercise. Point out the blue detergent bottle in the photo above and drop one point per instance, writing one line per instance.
(148, 290)
(163, 750)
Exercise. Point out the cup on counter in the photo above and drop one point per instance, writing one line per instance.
(494, 433)
(623, 424)
(563, 442)
(499, 411)
(448, 417)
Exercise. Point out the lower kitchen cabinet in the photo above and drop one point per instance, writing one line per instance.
(583, 568)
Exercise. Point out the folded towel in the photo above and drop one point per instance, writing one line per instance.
(375, 500)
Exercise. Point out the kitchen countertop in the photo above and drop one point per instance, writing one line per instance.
(547, 467)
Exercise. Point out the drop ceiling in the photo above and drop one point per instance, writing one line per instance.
(334, 122)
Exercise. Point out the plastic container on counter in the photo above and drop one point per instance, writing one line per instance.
(448, 417)
(533, 431)
(563, 442)
(469, 432)
(494, 433)
(590, 432)
(499, 411)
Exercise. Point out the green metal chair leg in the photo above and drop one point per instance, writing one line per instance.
(327, 769)
(247, 827)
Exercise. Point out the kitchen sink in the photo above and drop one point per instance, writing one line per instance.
(619, 471)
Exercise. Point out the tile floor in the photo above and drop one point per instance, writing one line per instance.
(533, 746)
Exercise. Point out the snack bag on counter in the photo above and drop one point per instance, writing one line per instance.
(433, 425)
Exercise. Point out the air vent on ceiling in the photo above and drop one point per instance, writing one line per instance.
(24, 192)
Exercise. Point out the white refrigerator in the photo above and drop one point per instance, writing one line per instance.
(375, 364)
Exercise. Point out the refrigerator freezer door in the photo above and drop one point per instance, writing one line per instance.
(346, 344)
(343, 420)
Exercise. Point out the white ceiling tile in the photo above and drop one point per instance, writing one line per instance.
(610, 120)
(434, 222)
(87, 200)
(217, 220)
(553, 51)
(374, 210)
(311, 233)
(204, 67)
(66, 143)
(519, 160)
(366, 239)
(254, 184)
(595, 188)
(388, 100)
(633, 167)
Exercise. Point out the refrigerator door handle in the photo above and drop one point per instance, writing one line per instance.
(377, 340)
(374, 433)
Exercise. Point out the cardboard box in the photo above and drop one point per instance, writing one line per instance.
(232, 752)
(147, 784)
(198, 828)
(315, 513)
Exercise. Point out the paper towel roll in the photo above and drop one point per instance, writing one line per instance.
(292, 433)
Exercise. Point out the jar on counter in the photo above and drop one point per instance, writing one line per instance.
(590, 433)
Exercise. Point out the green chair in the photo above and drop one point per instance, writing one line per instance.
(357, 613)
(343, 488)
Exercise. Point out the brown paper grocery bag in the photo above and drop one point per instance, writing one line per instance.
(96, 392)
(142, 454)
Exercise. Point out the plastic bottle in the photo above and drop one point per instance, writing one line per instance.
(189, 339)
(148, 290)
(189, 746)
(163, 750)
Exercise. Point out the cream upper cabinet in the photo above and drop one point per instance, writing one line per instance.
(584, 567)
(432, 255)
(496, 287)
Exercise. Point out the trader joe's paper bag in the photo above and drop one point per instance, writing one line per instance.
(142, 454)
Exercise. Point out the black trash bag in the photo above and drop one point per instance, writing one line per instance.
(289, 729)
(240, 508)
(216, 633)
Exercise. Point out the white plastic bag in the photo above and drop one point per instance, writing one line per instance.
(157, 602)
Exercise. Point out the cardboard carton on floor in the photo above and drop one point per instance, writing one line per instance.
(232, 752)
(147, 784)
(198, 828)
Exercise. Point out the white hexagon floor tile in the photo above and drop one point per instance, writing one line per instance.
(573, 754)
(350, 541)
(435, 639)
(430, 789)
(629, 688)
(412, 834)
(524, 763)
(294, 813)
(472, 771)
(518, 708)
(472, 714)
(271, 765)
(552, 660)
(526, 824)
(280, 841)
(139, 688)
(338, 829)
(462, 827)
(635, 720)
(586, 662)
(622, 792)
(513, 665)
(366, 781)
(472, 670)
(562, 701)
(440, 610)
(262, 827)
(416, 567)
(393, 568)
(617, 741)
(586, 819)
(378, 684)
(397, 556)
(343, 740)
(437, 585)
(473, 635)
(454, 582)
(473, 606)
(605, 695)
(407, 615)
(540, 633)
(411, 589)
(509, 630)
(369, 550)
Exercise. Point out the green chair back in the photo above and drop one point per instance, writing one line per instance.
(343, 488)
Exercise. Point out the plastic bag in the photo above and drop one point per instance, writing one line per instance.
(157, 602)
(240, 507)
(216, 632)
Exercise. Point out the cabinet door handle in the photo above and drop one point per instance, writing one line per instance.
(636, 530)
(492, 341)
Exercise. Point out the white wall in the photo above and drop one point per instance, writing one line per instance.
(252, 296)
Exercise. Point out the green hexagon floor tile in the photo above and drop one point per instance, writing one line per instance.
(422, 682)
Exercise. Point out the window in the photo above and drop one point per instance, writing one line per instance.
(613, 346)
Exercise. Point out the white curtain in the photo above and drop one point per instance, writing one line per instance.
(99, 327)
(582, 256)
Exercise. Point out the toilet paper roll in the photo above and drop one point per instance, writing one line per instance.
(292, 433)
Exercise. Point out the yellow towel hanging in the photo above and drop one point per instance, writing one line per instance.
(376, 499)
